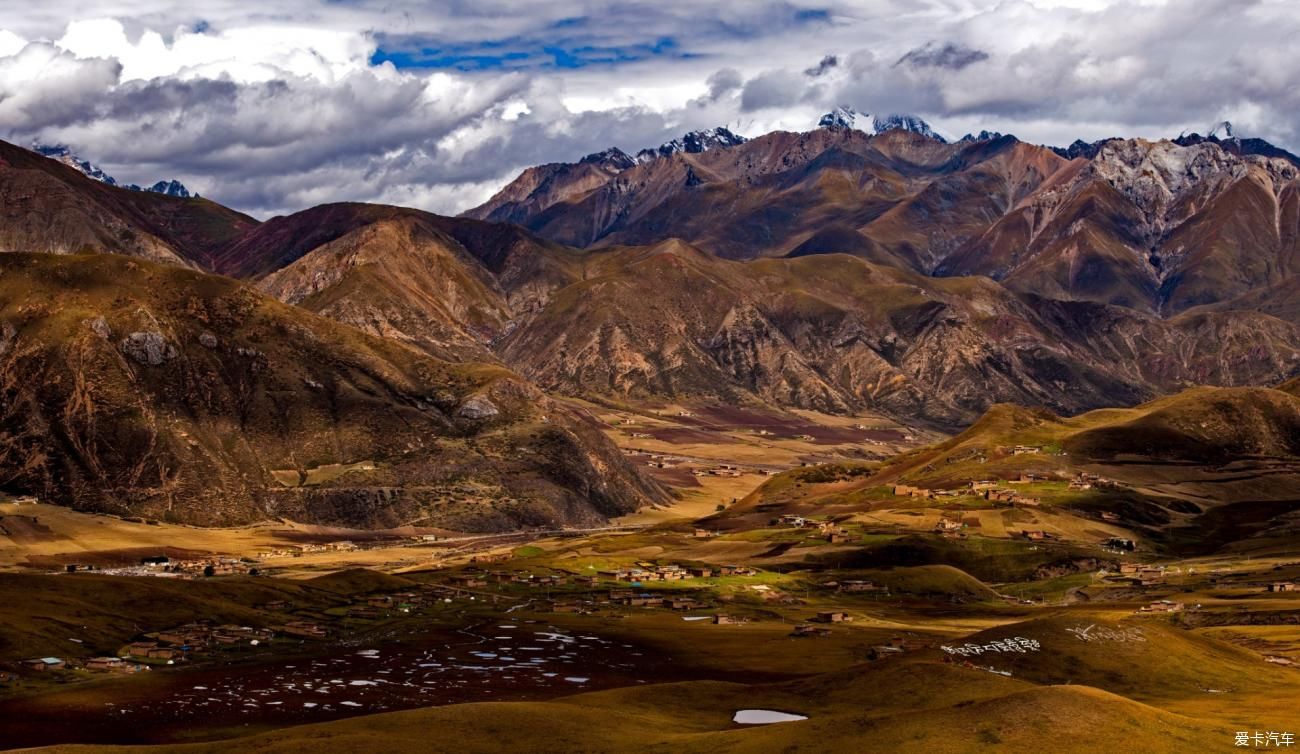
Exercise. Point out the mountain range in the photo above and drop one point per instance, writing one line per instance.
(836, 269)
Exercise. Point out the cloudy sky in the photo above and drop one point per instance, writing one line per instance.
(272, 107)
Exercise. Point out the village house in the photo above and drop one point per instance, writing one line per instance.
(104, 663)
(682, 603)
(303, 629)
(365, 612)
(1283, 586)
(837, 536)
(807, 630)
(727, 620)
(831, 616)
(858, 586)
(141, 648)
(42, 664)
(565, 607)
(1162, 606)
(701, 533)
(701, 572)
(948, 525)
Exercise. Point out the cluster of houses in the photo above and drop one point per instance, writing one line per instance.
(1283, 586)
(833, 532)
(644, 572)
(1085, 481)
(1024, 450)
(1139, 574)
(907, 490)
(854, 586)
(166, 567)
(722, 469)
(989, 490)
(169, 646)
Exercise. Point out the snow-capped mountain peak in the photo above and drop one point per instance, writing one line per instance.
(846, 117)
(841, 117)
(693, 143)
(612, 158)
(905, 122)
(65, 155)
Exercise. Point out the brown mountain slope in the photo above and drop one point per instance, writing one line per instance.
(1149, 225)
(835, 333)
(136, 388)
(449, 286)
(50, 207)
(403, 279)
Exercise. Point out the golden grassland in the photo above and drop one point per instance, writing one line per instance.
(1190, 682)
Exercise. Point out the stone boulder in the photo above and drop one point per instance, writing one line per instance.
(477, 407)
(149, 348)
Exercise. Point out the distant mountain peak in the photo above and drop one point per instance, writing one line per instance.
(1221, 130)
(845, 117)
(904, 122)
(983, 135)
(612, 157)
(63, 154)
(841, 117)
(693, 142)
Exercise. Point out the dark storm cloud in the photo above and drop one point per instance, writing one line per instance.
(827, 63)
(949, 55)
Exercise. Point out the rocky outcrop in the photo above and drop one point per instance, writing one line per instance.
(148, 348)
(477, 407)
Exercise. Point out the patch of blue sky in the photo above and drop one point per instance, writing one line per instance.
(521, 53)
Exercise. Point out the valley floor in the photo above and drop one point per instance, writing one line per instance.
(831, 592)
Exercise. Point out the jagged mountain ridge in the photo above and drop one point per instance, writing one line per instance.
(65, 155)
(987, 204)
